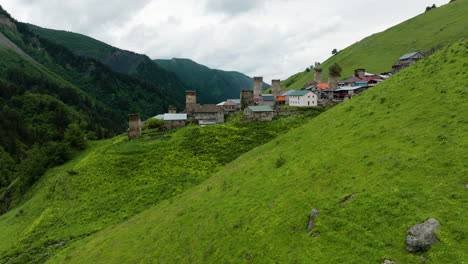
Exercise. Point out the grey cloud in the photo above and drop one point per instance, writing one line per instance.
(85, 16)
(233, 7)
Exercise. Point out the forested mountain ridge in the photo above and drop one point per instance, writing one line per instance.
(212, 85)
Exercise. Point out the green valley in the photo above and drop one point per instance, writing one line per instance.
(402, 154)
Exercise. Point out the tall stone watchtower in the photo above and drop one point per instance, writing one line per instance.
(318, 75)
(275, 88)
(332, 82)
(190, 100)
(257, 90)
(360, 73)
(134, 124)
(246, 98)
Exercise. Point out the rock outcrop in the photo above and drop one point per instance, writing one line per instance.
(312, 217)
(422, 236)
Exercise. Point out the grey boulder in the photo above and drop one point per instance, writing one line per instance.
(422, 236)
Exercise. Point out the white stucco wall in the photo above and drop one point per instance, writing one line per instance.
(308, 100)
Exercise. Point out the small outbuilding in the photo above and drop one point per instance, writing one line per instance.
(173, 121)
(260, 113)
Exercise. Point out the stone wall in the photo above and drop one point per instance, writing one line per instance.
(174, 124)
(246, 98)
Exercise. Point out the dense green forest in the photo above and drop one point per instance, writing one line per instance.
(212, 86)
(50, 96)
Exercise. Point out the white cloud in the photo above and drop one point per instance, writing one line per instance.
(270, 38)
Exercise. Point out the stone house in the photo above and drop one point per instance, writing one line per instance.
(173, 121)
(303, 99)
(346, 92)
(260, 113)
(229, 106)
(208, 114)
(407, 60)
(268, 99)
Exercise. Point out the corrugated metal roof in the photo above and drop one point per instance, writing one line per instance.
(347, 88)
(174, 117)
(237, 101)
(299, 93)
(268, 97)
(407, 56)
(261, 108)
(288, 92)
(160, 117)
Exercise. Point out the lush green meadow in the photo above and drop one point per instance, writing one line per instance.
(400, 148)
(378, 52)
(115, 179)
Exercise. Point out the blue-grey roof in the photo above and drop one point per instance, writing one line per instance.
(174, 117)
(289, 92)
(268, 97)
(407, 56)
(299, 93)
(261, 108)
(237, 101)
(347, 88)
(160, 117)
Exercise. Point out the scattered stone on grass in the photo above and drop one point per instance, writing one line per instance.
(387, 261)
(347, 199)
(422, 236)
(312, 217)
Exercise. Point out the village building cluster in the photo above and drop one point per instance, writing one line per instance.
(257, 106)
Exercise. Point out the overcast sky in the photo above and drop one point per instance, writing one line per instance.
(270, 38)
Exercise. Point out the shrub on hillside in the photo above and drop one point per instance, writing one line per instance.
(153, 123)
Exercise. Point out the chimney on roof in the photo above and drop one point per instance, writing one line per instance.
(275, 88)
(318, 75)
(134, 124)
(360, 73)
(257, 90)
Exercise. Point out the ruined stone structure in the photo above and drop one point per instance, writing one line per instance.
(275, 88)
(134, 124)
(247, 98)
(172, 109)
(257, 90)
(332, 82)
(318, 75)
(190, 100)
(360, 73)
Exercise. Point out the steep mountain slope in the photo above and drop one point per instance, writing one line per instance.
(399, 148)
(212, 85)
(377, 53)
(115, 179)
(121, 61)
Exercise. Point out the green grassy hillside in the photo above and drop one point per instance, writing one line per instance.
(377, 53)
(212, 86)
(400, 148)
(114, 179)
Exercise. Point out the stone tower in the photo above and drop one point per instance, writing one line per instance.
(332, 82)
(257, 90)
(190, 100)
(246, 98)
(134, 124)
(318, 75)
(275, 88)
(360, 73)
